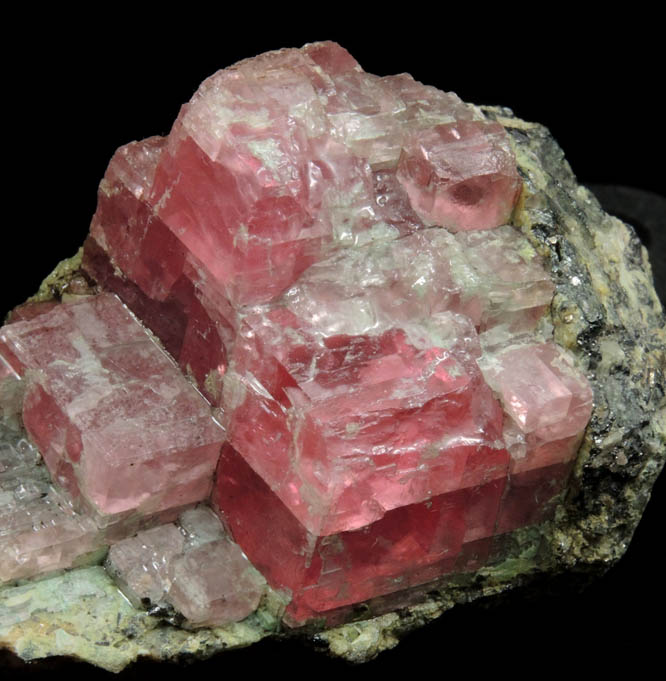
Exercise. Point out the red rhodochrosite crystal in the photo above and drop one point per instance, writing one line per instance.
(345, 428)
(410, 545)
(328, 254)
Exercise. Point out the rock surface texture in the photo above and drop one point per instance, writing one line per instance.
(430, 368)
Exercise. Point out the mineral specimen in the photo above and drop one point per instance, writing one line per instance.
(346, 357)
(342, 265)
(298, 220)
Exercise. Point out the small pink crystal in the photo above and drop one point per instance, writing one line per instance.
(192, 566)
(140, 564)
(540, 389)
(460, 175)
(215, 584)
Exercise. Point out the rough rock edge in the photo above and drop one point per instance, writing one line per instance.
(57, 283)
(607, 313)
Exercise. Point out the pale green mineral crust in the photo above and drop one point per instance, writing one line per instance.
(83, 614)
(605, 311)
(58, 283)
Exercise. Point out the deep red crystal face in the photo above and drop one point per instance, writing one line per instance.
(329, 256)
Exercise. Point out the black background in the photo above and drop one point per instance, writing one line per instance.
(77, 87)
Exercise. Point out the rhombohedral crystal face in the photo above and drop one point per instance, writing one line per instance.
(312, 313)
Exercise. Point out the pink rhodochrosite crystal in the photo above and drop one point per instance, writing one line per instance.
(329, 256)
(460, 175)
(192, 566)
(116, 422)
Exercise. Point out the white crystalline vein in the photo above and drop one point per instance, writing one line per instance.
(270, 154)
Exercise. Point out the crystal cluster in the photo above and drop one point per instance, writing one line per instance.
(192, 566)
(272, 164)
(362, 399)
(328, 256)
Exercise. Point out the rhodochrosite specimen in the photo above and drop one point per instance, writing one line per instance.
(328, 255)
(292, 244)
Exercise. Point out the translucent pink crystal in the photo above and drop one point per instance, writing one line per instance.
(460, 175)
(39, 529)
(540, 390)
(548, 403)
(215, 584)
(140, 564)
(192, 566)
(113, 417)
